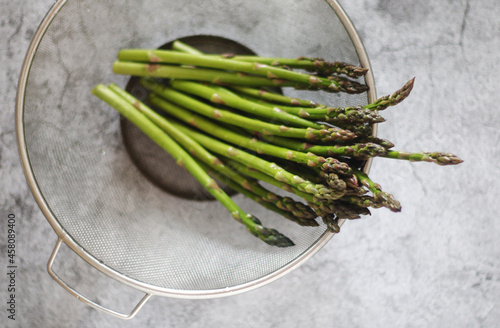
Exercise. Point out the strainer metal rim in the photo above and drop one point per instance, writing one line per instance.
(144, 287)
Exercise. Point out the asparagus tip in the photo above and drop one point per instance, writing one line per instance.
(269, 236)
(394, 99)
(388, 200)
(331, 222)
(444, 158)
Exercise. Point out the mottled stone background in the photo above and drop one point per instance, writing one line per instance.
(434, 265)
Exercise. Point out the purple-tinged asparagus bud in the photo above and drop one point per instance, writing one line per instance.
(394, 99)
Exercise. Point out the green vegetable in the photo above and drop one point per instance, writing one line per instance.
(221, 120)
(134, 112)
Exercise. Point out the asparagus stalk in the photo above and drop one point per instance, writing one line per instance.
(433, 157)
(356, 114)
(195, 74)
(366, 147)
(230, 99)
(175, 57)
(310, 159)
(319, 65)
(338, 115)
(183, 47)
(334, 211)
(326, 135)
(298, 209)
(319, 111)
(253, 225)
(358, 150)
(373, 147)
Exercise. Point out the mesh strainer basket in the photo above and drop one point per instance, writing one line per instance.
(90, 189)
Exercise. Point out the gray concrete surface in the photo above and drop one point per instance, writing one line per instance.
(436, 264)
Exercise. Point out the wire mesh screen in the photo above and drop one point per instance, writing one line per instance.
(82, 168)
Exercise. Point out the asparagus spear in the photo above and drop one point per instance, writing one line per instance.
(367, 147)
(319, 65)
(331, 221)
(230, 99)
(175, 57)
(394, 99)
(195, 74)
(334, 211)
(323, 110)
(358, 150)
(338, 115)
(310, 159)
(327, 135)
(183, 47)
(253, 225)
(433, 157)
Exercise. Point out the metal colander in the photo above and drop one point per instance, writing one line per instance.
(85, 180)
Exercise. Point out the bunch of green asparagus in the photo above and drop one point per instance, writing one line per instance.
(221, 122)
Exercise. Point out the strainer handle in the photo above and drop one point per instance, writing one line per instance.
(84, 299)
